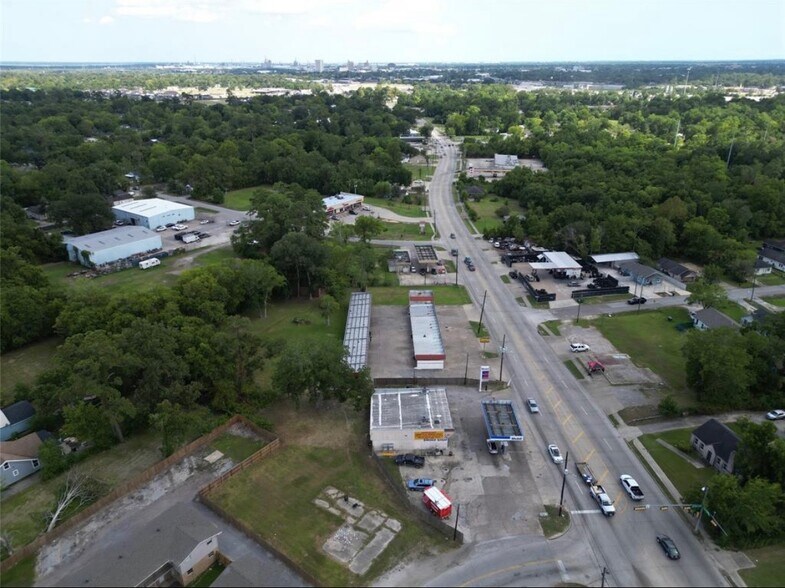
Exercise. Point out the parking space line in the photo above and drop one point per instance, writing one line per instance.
(578, 436)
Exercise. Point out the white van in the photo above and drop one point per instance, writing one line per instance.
(148, 263)
(578, 347)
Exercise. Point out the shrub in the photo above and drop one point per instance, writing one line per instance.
(668, 406)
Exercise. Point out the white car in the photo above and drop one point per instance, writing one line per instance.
(555, 454)
(234, 223)
(179, 227)
(532, 404)
(775, 415)
(160, 229)
(204, 221)
(579, 347)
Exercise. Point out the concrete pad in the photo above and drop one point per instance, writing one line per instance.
(370, 521)
(333, 492)
(393, 524)
(321, 503)
(345, 543)
(214, 456)
(351, 506)
(370, 552)
(335, 511)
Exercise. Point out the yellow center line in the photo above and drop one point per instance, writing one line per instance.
(602, 476)
(575, 440)
(567, 420)
(475, 581)
(588, 457)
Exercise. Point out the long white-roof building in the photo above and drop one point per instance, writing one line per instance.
(112, 245)
(428, 344)
(153, 212)
(356, 337)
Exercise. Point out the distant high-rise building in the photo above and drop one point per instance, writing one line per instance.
(349, 65)
(319, 65)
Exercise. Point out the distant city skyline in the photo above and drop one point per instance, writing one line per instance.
(383, 31)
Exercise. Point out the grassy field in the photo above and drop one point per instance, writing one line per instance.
(420, 172)
(769, 567)
(21, 575)
(574, 369)
(399, 295)
(410, 210)
(21, 366)
(683, 474)
(241, 199)
(23, 513)
(322, 447)
(237, 448)
(652, 341)
(405, 231)
(486, 209)
(776, 300)
(733, 310)
(775, 278)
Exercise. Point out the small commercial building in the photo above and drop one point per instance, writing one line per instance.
(112, 245)
(342, 202)
(400, 262)
(641, 274)
(357, 335)
(153, 212)
(426, 337)
(503, 161)
(410, 420)
(613, 259)
(559, 261)
(773, 256)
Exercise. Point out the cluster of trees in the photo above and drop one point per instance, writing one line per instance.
(67, 151)
(693, 178)
(750, 505)
(733, 369)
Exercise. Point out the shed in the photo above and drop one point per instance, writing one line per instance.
(153, 212)
(15, 418)
(410, 419)
(614, 258)
(717, 444)
(761, 267)
(112, 245)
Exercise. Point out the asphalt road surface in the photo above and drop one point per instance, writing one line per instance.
(626, 544)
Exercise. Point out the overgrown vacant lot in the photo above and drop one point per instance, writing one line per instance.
(652, 341)
(322, 447)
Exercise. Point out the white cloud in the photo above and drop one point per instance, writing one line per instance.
(105, 20)
(408, 16)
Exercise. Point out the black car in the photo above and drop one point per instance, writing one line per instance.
(668, 546)
(409, 459)
(514, 275)
(637, 300)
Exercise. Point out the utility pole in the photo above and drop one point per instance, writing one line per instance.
(563, 481)
(466, 371)
(457, 514)
(502, 350)
(752, 294)
(703, 506)
(579, 300)
(604, 571)
(457, 256)
(482, 311)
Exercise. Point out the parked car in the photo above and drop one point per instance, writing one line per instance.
(631, 487)
(160, 229)
(573, 284)
(472, 268)
(533, 406)
(234, 223)
(452, 235)
(179, 227)
(514, 275)
(595, 367)
(579, 347)
(119, 222)
(409, 459)
(668, 546)
(420, 484)
(555, 454)
(413, 269)
(204, 221)
(169, 225)
(352, 211)
(454, 252)
(775, 415)
(637, 300)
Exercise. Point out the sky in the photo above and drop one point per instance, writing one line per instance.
(383, 31)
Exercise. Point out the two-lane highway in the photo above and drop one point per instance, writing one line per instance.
(625, 544)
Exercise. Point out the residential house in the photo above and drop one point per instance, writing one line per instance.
(717, 444)
(773, 256)
(677, 270)
(173, 549)
(757, 316)
(246, 571)
(16, 418)
(19, 458)
(641, 274)
(761, 268)
(711, 318)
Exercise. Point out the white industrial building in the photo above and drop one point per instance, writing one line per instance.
(410, 419)
(558, 260)
(342, 202)
(426, 337)
(112, 245)
(356, 337)
(153, 212)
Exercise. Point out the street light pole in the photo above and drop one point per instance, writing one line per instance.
(457, 256)
(752, 294)
(703, 506)
(502, 351)
(563, 481)
(579, 300)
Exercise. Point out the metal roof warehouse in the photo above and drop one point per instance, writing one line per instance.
(426, 337)
(153, 212)
(405, 419)
(356, 334)
(112, 245)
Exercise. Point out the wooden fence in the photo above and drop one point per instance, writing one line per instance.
(134, 484)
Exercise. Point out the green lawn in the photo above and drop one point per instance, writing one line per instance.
(410, 210)
(775, 300)
(22, 366)
(578, 373)
(399, 295)
(23, 513)
(420, 172)
(775, 278)
(241, 199)
(683, 474)
(405, 232)
(21, 575)
(553, 327)
(553, 524)
(237, 448)
(769, 567)
(280, 324)
(652, 341)
(290, 480)
(732, 309)
(209, 576)
(486, 209)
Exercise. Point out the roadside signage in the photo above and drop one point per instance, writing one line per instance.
(485, 339)
(429, 435)
(485, 375)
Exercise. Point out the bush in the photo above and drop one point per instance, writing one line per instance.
(668, 407)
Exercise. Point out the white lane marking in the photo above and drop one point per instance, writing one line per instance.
(579, 512)
(608, 445)
(584, 410)
(565, 577)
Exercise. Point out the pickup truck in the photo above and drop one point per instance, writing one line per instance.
(584, 472)
(631, 487)
(602, 498)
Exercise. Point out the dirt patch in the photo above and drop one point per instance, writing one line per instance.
(327, 425)
(633, 413)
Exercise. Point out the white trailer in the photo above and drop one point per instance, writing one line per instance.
(148, 263)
